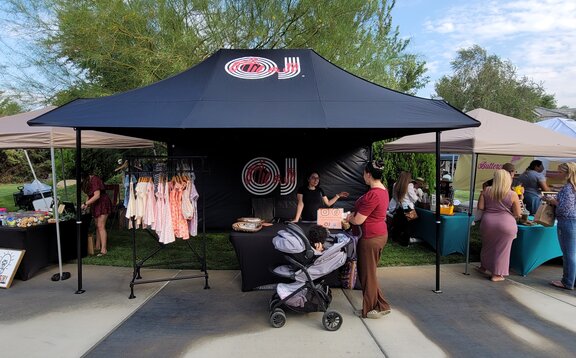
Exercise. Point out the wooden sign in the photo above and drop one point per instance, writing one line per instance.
(9, 262)
(330, 218)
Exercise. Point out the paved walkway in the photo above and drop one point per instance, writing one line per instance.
(523, 316)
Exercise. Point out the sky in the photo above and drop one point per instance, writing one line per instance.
(537, 36)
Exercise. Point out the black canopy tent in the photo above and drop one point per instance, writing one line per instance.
(262, 101)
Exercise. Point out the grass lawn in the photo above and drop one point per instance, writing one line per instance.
(220, 253)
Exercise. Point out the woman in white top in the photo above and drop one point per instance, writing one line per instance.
(403, 199)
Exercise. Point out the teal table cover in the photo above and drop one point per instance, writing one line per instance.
(453, 230)
(533, 246)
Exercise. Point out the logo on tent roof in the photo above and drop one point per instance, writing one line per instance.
(257, 68)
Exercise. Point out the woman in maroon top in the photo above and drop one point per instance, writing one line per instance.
(100, 206)
(370, 212)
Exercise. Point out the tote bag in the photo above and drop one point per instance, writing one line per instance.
(545, 215)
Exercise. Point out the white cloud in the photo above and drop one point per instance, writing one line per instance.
(537, 36)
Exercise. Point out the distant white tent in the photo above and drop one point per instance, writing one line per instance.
(15, 133)
(559, 125)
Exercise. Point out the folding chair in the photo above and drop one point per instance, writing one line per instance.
(264, 208)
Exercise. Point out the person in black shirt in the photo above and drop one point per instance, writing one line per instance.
(311, 197)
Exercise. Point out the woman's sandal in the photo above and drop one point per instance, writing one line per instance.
(559, 284)
(497, 278)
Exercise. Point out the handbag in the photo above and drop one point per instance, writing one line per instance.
(348, 274)
(411, 215)
(545, 215)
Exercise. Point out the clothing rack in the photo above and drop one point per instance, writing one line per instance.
(174, 165)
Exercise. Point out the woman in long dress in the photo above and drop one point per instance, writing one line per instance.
(501, 208)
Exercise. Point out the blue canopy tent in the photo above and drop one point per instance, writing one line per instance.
(290, 101)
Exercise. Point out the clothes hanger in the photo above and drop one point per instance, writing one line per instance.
(122, 167)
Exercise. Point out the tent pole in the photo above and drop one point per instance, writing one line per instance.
(61, 275)
(438, 222)
(470, 208)
(79, 210)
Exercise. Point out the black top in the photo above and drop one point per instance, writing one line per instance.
(312, 202)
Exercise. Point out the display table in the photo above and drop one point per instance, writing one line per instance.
(453, 230)
(533, 246)
(41, 244)
(258, 257)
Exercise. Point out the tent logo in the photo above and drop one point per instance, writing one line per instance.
(261, 176)
(257, 68)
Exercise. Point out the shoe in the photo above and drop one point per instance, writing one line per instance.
(497, 278)
(373, 314)
(559, 284)
(101, 254)
(415, 240)
(385, 312)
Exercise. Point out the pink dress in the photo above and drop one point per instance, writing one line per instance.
(497, 229)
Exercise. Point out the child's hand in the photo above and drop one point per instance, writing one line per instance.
(318, 246)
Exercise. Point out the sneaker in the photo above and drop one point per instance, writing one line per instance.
(415, 240)
(373, 314)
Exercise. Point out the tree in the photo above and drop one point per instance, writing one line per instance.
(87, 48)
(95, 48)
(9, 107)
(486, 81)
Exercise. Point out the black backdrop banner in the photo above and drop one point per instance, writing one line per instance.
(235, 179)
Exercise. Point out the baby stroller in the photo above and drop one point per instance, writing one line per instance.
(308, 292)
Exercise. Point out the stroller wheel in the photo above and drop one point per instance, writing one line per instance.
(332, 320)
(277, 318)
(273, 304)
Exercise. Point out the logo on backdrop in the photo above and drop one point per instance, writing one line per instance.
(261, 176)
(257, 68)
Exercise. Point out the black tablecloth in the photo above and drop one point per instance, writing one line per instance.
(41, 244)
(258, 257)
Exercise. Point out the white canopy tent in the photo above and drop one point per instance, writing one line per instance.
(498, 134)
(16, 134)
(559, 125)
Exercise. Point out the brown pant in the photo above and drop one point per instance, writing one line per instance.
(369, 251)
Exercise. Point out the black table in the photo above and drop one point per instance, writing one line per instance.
(258, 257)
(41, 244)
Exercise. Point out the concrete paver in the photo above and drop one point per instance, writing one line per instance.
(471, 317)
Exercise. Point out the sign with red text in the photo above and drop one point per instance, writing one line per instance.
(257, 68)
(261, 176)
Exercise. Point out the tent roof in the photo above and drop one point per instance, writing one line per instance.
(16, 133)
(560, 125)
(498, 134)
(251, 90)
